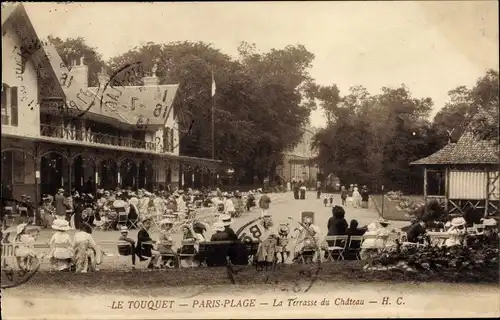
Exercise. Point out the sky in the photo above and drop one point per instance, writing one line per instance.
(432, 47)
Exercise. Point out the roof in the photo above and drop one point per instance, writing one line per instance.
(116, 103)
(469, 149)
(130, 103)
(7, 10)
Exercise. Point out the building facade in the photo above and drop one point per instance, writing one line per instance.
(59, 132)
(298, 163)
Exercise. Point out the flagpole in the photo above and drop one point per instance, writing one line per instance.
(213, 118)
(214, 181)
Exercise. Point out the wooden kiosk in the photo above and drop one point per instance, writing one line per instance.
(464, 175)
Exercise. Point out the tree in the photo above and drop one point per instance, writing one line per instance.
(72, 49)
(261, 101)
(372, 139)
(485, 106)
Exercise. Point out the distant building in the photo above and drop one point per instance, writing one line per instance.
(297, 163)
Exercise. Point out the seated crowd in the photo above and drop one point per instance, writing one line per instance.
(111, 208)
(80, 253)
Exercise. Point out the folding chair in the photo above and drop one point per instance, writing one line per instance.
(122, 218)
(133, 223)
(9, 216)
(336, 247)
(23, 213)
(187, 250)
(353, 247)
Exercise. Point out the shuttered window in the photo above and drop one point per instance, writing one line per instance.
(14, 107)
(172, 140)
(5, 104)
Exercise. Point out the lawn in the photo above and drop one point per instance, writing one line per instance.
(389, 210)
(306, 274)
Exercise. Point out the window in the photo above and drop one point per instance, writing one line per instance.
(9, 105)
(166, 139)
(172, 140)
(13, 167)
(18, 167)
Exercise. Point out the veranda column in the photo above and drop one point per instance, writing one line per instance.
(119, 168)
(70, 171)
(37, 180)
(446, 188)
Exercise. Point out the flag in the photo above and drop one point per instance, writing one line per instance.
(213, 83)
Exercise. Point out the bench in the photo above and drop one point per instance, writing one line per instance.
(218, 253)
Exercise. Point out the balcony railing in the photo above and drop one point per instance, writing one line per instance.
(94, 137)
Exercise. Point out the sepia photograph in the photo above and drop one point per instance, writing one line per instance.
(250, 160)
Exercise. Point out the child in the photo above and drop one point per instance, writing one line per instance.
(283, 241)
(126, 246)
(331, 200)
(325, 200)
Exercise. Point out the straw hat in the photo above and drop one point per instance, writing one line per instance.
(218, 226)
(118, 204)
(458, 222)
(225, 219)
(60, 225)
(123, 229)
(490, 222)
(134, 201)
(383, 221)
(20, 228)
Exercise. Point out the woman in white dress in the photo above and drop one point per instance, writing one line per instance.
(87, 253)
(25, 252)
(457, 232)
(61, 246)
(356, 197)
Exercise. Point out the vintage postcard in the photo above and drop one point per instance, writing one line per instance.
(226, 160)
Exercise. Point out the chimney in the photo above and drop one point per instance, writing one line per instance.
(80, 72)
(152, 80)
(103, 77)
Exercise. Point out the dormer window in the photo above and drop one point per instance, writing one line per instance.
(9, 105)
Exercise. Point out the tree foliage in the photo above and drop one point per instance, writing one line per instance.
(262, 100)
(72, 49)
(371, 139)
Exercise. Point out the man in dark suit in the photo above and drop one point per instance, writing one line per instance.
(60, 203)
(145, 245)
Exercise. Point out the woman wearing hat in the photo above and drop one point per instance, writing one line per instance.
(61, 246)
(47, 211)
(133, 213)
(457, 232)
(229, 208)
(25, 253)
(191, 243)
(86, 250)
